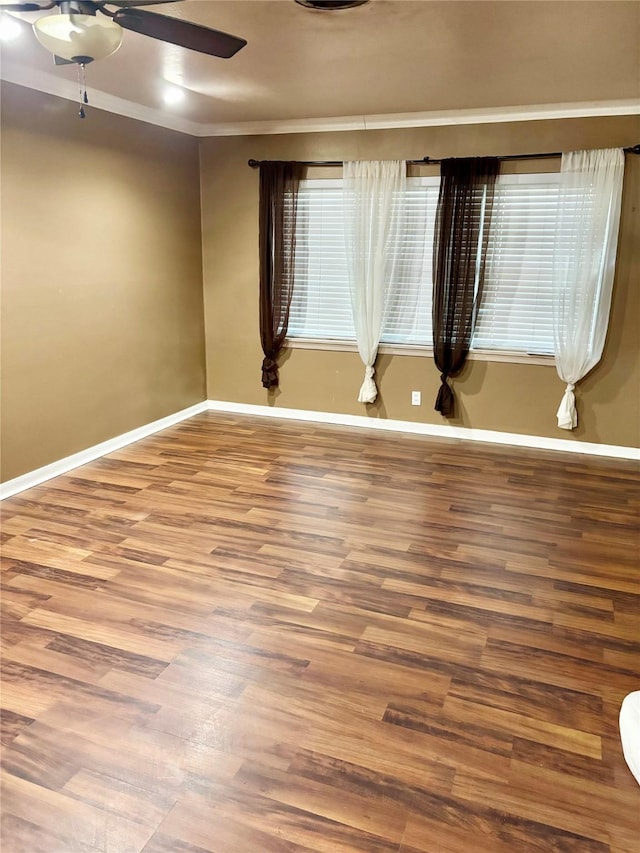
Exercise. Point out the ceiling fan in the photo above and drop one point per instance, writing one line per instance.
(81, 31)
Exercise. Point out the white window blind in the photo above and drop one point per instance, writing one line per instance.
(321, 305)
(515, 312)
(408, 318)
(516, 308)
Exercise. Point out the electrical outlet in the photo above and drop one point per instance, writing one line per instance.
(416, 398)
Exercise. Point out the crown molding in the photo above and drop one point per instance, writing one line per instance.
(490, 115)
(61, 87)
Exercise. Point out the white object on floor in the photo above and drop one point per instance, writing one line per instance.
(630, 732)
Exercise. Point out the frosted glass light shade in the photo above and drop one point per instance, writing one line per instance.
(78, 38)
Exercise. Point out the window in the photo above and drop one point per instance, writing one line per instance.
(515, 314)
(321, 305)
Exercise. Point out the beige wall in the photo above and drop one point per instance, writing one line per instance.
(495, 396)
(102, 314)
(102, 326)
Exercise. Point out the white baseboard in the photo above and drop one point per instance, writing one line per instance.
(41, 475)
(440, 430)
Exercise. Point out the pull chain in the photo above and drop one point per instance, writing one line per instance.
(84, 99)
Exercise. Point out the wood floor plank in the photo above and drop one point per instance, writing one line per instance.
(246, 635)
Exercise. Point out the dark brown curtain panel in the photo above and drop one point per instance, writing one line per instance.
(279, 183)
(462, 225)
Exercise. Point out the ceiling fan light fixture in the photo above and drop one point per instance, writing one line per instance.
(78, 38)
(331, 5)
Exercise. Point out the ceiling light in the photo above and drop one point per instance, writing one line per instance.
(9, 28)
(172, 95)
(78, 38)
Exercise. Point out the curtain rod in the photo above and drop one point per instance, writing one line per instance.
(429, 161)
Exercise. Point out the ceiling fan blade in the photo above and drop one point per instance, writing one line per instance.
(25, 7)
(182, 33)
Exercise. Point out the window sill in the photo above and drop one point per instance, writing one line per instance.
(420, 351)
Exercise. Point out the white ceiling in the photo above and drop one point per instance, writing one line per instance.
(386, 58)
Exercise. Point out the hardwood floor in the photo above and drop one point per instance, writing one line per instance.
(257, 636)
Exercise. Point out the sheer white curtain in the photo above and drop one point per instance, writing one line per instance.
(584, 265)
(374, 193)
